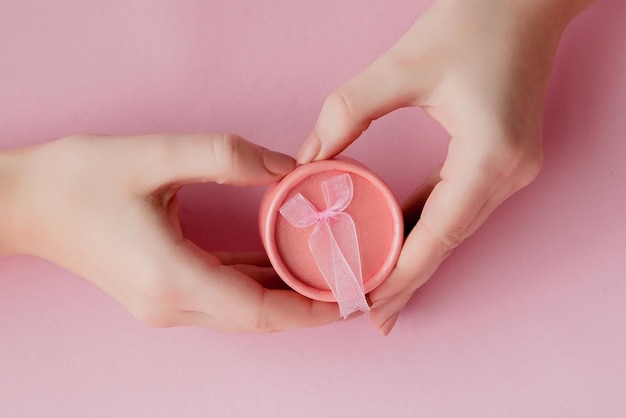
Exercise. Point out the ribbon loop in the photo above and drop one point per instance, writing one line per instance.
(333, 242)
(299, 212)
(337, 193)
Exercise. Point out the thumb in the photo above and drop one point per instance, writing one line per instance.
(384, 86)
(220, 158)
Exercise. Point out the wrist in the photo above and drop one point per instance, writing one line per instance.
(555, 13)
(546, 15)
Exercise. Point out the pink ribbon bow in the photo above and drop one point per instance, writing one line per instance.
(333, 242)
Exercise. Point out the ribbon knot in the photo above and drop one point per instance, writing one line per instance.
(333, 242)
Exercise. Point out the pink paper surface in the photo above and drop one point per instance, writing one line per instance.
(373, 214)
(526, 318)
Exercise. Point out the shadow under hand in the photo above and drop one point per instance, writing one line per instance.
(220, 217)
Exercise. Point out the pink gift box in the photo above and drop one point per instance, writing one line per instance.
(329, 227)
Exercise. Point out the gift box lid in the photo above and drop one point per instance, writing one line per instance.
(325, 204)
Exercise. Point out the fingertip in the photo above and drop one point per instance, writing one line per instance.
(276, 163)
(310, 149)
(386, 327)
(375, 303)
(385, 312)
(354, 315)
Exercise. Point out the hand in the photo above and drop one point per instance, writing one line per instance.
(480, 68)
(106, 209)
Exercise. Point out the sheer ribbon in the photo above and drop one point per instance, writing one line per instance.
(333, 242)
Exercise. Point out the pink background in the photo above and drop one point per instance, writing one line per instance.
(527, 318)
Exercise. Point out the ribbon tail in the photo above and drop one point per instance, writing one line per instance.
(339, 262)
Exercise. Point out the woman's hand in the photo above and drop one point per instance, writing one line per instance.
(106, 209)
(480, 68)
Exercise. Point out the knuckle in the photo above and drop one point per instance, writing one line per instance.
(450, 239)
(261, 321)
(343, 103)
(226, 149)
(445, 240)
(400, 62)
(157, 300)
(513, 158)
(520, 162)
(343, 98)
(531, 168)
(225, 144)
(164, 151)
(151, 316)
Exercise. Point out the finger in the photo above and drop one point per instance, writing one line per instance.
(239, 303)
(221, 158)
(475, 179)
(412, 208)
(244, 305)
(265, 276)
(420, 257)
(253, 258)
(523, 175)
(202, 319)
(381, 88)
(468, 182)
(292, 314)
(477, 176)
(385, 311)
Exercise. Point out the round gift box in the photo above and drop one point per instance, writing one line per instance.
(374, 209)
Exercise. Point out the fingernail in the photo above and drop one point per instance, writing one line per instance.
(388, 325)
(374, 304)
(310, 149)
(277, 163)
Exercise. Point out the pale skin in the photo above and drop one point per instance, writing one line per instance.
(106, 208)
(480, 68)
